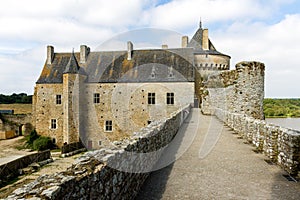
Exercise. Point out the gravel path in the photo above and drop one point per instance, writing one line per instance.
(231, 170)
(8, 151)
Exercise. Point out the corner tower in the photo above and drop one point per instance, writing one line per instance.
(73, 80)
(206, 56)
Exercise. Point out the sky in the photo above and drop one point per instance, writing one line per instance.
(267, 31)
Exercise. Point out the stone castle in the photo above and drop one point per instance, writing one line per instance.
(97, 97)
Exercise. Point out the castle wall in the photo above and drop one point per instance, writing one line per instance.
(236, 91)
(109, 173)
(211, 62)
(47, 109)
(125, 104)
(71, 98)
(280, 145)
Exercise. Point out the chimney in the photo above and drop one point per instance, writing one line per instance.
(164, 46)
(50, 54)
(184, 41)
(205, 43)
(129, 50)
(84, 52)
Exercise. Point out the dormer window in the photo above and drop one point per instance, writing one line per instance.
(153, 72)
(171, 72)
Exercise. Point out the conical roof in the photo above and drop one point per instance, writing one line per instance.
(196, 43)
(196, 40)
(72, 66)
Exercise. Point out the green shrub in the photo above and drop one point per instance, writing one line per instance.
(31, 138)
(42, 143)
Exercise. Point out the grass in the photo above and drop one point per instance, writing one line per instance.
(18, 108)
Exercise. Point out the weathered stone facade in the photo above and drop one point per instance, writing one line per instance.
(236, 98)
(14, 125)
(236, 91)
(99, 97)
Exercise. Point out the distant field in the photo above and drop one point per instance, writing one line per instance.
(18, 108)
(282, 108)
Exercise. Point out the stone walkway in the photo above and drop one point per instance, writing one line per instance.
(217, 165)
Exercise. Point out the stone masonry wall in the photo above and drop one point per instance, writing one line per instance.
(281, 145)
(115, 173)
(236, 97)
(237, 91)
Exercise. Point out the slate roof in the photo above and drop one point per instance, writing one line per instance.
(196, 43)
(152, 65)
(72, 66)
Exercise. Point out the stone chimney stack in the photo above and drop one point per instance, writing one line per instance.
(50, 54)
(84, 52)
(205, 43)
(164, 46)
(129, 50)
(184, 41)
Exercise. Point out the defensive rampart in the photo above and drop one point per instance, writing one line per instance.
(237, 91)
(236, 97)
(281, 145)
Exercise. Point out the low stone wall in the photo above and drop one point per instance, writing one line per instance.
(10, 170)
(281, 145)
(71, 147)
(109, 173)
(7, 134)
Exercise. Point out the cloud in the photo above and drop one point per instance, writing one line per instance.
(19, 72)
(275, 45)
(180, 14)
(246, 30)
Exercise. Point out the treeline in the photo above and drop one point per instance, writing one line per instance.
(16, 98)
(282, 107)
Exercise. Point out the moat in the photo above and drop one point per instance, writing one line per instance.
(293, 123)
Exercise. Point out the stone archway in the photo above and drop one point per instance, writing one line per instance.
(27, 128)
(20, 130)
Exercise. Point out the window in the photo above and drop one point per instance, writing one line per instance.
(53, 123)
(151, 98)
(108, 125)
(58, 99)
(170, 98)
(96, 98)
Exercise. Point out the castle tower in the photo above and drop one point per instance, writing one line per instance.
(206, 57)
(72, 81)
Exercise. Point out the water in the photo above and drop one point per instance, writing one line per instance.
(293, 123)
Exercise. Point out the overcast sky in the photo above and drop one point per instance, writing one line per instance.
(262, 30)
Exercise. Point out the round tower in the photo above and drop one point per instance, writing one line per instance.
(206, 58)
